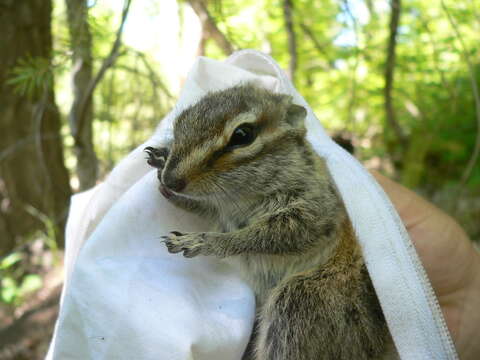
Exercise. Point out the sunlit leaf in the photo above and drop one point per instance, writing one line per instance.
(10, 260)
(30, 283)
(9, 290)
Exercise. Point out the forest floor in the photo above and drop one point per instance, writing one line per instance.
(26, 330)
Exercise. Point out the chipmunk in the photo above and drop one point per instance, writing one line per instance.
(240, 158)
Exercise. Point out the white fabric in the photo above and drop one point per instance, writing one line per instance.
(126, 297)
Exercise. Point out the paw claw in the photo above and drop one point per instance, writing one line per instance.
(191, 253)
(156, 156)
(191, 244)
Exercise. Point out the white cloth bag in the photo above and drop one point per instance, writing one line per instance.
(126, 297)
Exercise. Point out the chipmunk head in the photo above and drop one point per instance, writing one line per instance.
(235, 141)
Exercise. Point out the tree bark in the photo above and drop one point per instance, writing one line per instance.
(202, 44)
(292, 38)
(209, 27)
(81, 112)
(81, 115)
(33, 176)
(390, 71)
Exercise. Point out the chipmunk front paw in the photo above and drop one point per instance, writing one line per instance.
(157, 157)
(192, 244)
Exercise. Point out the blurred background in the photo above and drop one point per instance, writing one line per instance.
(83, 82)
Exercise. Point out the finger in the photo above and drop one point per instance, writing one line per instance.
(412, 208)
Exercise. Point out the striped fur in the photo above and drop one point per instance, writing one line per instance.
(281, 221)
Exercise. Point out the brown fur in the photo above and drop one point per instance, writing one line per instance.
(281, 220)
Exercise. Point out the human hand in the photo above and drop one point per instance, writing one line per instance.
(450, 260)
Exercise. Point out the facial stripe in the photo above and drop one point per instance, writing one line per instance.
(263, 145)
(249, 117)
(212, 153)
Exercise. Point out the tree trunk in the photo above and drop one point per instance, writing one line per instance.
(390, 71)
(81, 111)
(413, 164)
(292, 38)
(209, 27)
(33, 177)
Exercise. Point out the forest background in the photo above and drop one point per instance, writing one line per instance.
(83, 82)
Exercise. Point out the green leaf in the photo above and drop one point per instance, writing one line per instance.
(30, 283)
(31, 75)
(10, 260)
(9, 290)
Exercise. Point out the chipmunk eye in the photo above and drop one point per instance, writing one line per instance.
(242, 136)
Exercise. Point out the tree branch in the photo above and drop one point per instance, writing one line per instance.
(292, 39)
(390, 70)
(370, 7)
(476, 150)
(436, 57)
(108, 62)
(82, 110)
(154, 78)
(209, 27)
(316, 44)
(353, 91)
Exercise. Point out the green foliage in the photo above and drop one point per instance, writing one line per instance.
(129, 103)
(13, 292)
(14, 288)
(18, 277)
(341, 51)
(31, 76)
(49, 234)
(131, 98)
(341, 54)
(10, 260)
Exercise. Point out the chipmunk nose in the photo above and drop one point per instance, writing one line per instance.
(175, 184)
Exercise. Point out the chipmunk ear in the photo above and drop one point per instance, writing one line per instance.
(296, 115)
